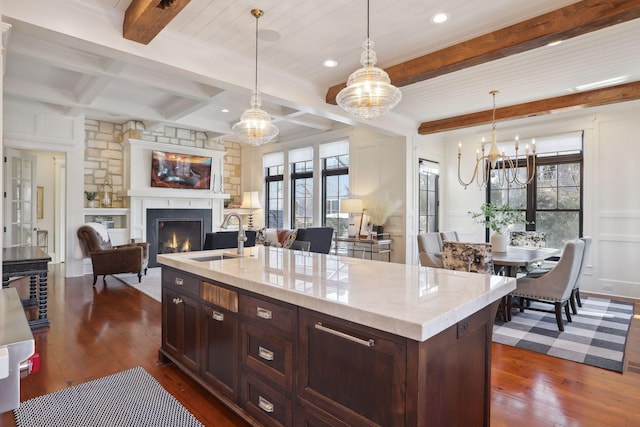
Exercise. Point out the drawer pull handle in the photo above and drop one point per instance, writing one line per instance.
(264, 353)
(218, 316)
(177, 301)
(265, 405)
(264, 313)
(179, 281)
(366, 343)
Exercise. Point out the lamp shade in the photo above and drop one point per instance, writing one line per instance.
(351, 205)
(250, 200)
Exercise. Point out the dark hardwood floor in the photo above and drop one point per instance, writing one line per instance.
(99, 331)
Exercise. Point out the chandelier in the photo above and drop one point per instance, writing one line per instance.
(369, 92)
(499, 167)
(255, 125)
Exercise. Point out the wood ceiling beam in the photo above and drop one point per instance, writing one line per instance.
(561, 24)
(144, 19)
(592, 98)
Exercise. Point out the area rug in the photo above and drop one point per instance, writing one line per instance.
(597, 336)
(150, 284)
(129, 398)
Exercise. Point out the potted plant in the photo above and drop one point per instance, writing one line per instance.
(91, 198)
(499, 219)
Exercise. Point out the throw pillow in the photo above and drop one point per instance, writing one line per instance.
(284, 237)
(261, 235)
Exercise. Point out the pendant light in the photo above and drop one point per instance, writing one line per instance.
(255, 125)
(369, 92)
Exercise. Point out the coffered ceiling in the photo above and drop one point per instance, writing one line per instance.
(71, 54)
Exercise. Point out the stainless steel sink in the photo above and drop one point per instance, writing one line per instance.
(214, 257)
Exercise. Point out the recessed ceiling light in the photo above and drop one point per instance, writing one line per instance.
(224, 110)
(330, 63)
(439, 18)
(269, 35)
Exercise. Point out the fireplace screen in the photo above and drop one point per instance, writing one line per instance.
(179, 236)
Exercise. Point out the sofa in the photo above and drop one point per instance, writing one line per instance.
(227, 240)
(320, 238)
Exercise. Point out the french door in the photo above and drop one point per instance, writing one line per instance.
(19, 198)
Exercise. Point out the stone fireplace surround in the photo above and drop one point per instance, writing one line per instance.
(208, 204)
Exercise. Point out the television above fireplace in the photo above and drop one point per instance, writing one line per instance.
(177, 170)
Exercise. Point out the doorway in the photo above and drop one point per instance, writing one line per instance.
(35, 200)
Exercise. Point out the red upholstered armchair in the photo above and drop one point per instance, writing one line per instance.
(107, 259)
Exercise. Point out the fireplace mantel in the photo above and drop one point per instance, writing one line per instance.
(142, 196)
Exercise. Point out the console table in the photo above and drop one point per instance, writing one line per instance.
(29, 261)
(364, 248)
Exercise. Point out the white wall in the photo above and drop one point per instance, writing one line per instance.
(611, 197)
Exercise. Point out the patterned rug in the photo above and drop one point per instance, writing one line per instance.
(129, 398)
(597, 336)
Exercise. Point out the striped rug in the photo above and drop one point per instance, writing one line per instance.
(597, 336)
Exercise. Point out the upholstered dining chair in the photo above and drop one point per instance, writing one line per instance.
(430, 249)
(555, 287)
(107, 259)
(529, 239)
(464, 256)
(451, 236)
(575, 295)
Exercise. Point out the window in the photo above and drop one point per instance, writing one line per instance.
(335, 184)
(428, 176)
(302, 194)
(275, 196)
(552, 202)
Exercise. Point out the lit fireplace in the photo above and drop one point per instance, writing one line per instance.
(176, 230)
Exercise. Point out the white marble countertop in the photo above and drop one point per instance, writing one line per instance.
(406, 300)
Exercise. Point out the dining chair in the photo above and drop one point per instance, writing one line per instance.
(430, 249)
(528, 239)
(463, 256)
(575, 295)
(555, 287)
(451, 236)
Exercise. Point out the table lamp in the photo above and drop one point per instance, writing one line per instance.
(352, 206)
(251, 201)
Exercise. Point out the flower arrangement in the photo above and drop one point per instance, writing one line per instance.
(498, 218)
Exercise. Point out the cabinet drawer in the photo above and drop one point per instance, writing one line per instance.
(266, 404)
(268, 355)
(183, 281)
(267, 314)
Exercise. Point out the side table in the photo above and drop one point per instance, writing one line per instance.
(29, 261)
(364, 247)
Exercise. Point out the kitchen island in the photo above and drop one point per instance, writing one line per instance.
(294, 338)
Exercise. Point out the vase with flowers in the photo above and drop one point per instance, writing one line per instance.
(498, 218)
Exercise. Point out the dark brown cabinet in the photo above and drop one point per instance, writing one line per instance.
(180, 327)
(278, 365)
(220, 357)
(350, 371)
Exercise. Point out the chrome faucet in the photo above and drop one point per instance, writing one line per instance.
(242, 237)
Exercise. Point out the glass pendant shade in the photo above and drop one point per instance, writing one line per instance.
(369, 92)
(255, 125)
